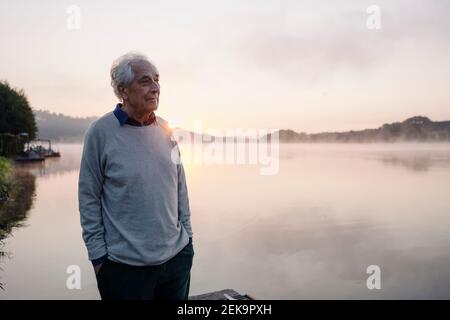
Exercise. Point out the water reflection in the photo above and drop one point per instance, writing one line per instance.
(418, 160)
(327, 257)
(415, 163)
(415, 157)
(13, 212)
(308, 232)
(68, 162)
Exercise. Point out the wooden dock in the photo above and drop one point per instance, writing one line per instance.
(226, 294)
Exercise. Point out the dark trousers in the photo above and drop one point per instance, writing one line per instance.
(168, 281)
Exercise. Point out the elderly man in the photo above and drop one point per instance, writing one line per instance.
(133, 198)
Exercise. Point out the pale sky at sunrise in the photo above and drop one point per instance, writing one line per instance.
(305, 65)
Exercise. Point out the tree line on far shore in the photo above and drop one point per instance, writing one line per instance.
(16, 117)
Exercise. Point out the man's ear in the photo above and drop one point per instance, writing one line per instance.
(123, 92)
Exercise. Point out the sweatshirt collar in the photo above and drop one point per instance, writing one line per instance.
(123, 117)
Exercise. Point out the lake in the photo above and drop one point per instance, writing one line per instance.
(310, 231)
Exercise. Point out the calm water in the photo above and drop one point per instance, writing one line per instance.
(308, 232)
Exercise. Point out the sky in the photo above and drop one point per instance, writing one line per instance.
(311, 66)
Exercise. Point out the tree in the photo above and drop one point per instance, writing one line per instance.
(16, 115)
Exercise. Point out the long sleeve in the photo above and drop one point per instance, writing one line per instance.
(90, 185)
(184, 211)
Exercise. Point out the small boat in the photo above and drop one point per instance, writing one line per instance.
(46, 152)
(35, 151)
(29, 156)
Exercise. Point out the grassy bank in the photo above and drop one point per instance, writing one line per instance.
(5, 179)
(5, 189)
(17, 188)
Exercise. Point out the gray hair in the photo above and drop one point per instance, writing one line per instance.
(122, 73)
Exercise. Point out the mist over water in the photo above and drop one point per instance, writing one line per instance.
(309, 231)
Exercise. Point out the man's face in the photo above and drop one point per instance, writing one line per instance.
(143, 93)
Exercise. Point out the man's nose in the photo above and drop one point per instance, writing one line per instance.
(155, 88)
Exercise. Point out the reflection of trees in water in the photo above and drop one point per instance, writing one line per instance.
(14, 211)
(417, 161)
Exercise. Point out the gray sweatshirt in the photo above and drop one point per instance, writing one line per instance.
(133, 198)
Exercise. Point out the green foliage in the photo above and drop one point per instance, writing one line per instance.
(16, 115)
(5, 178)
(11, 144)
(5, 167)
